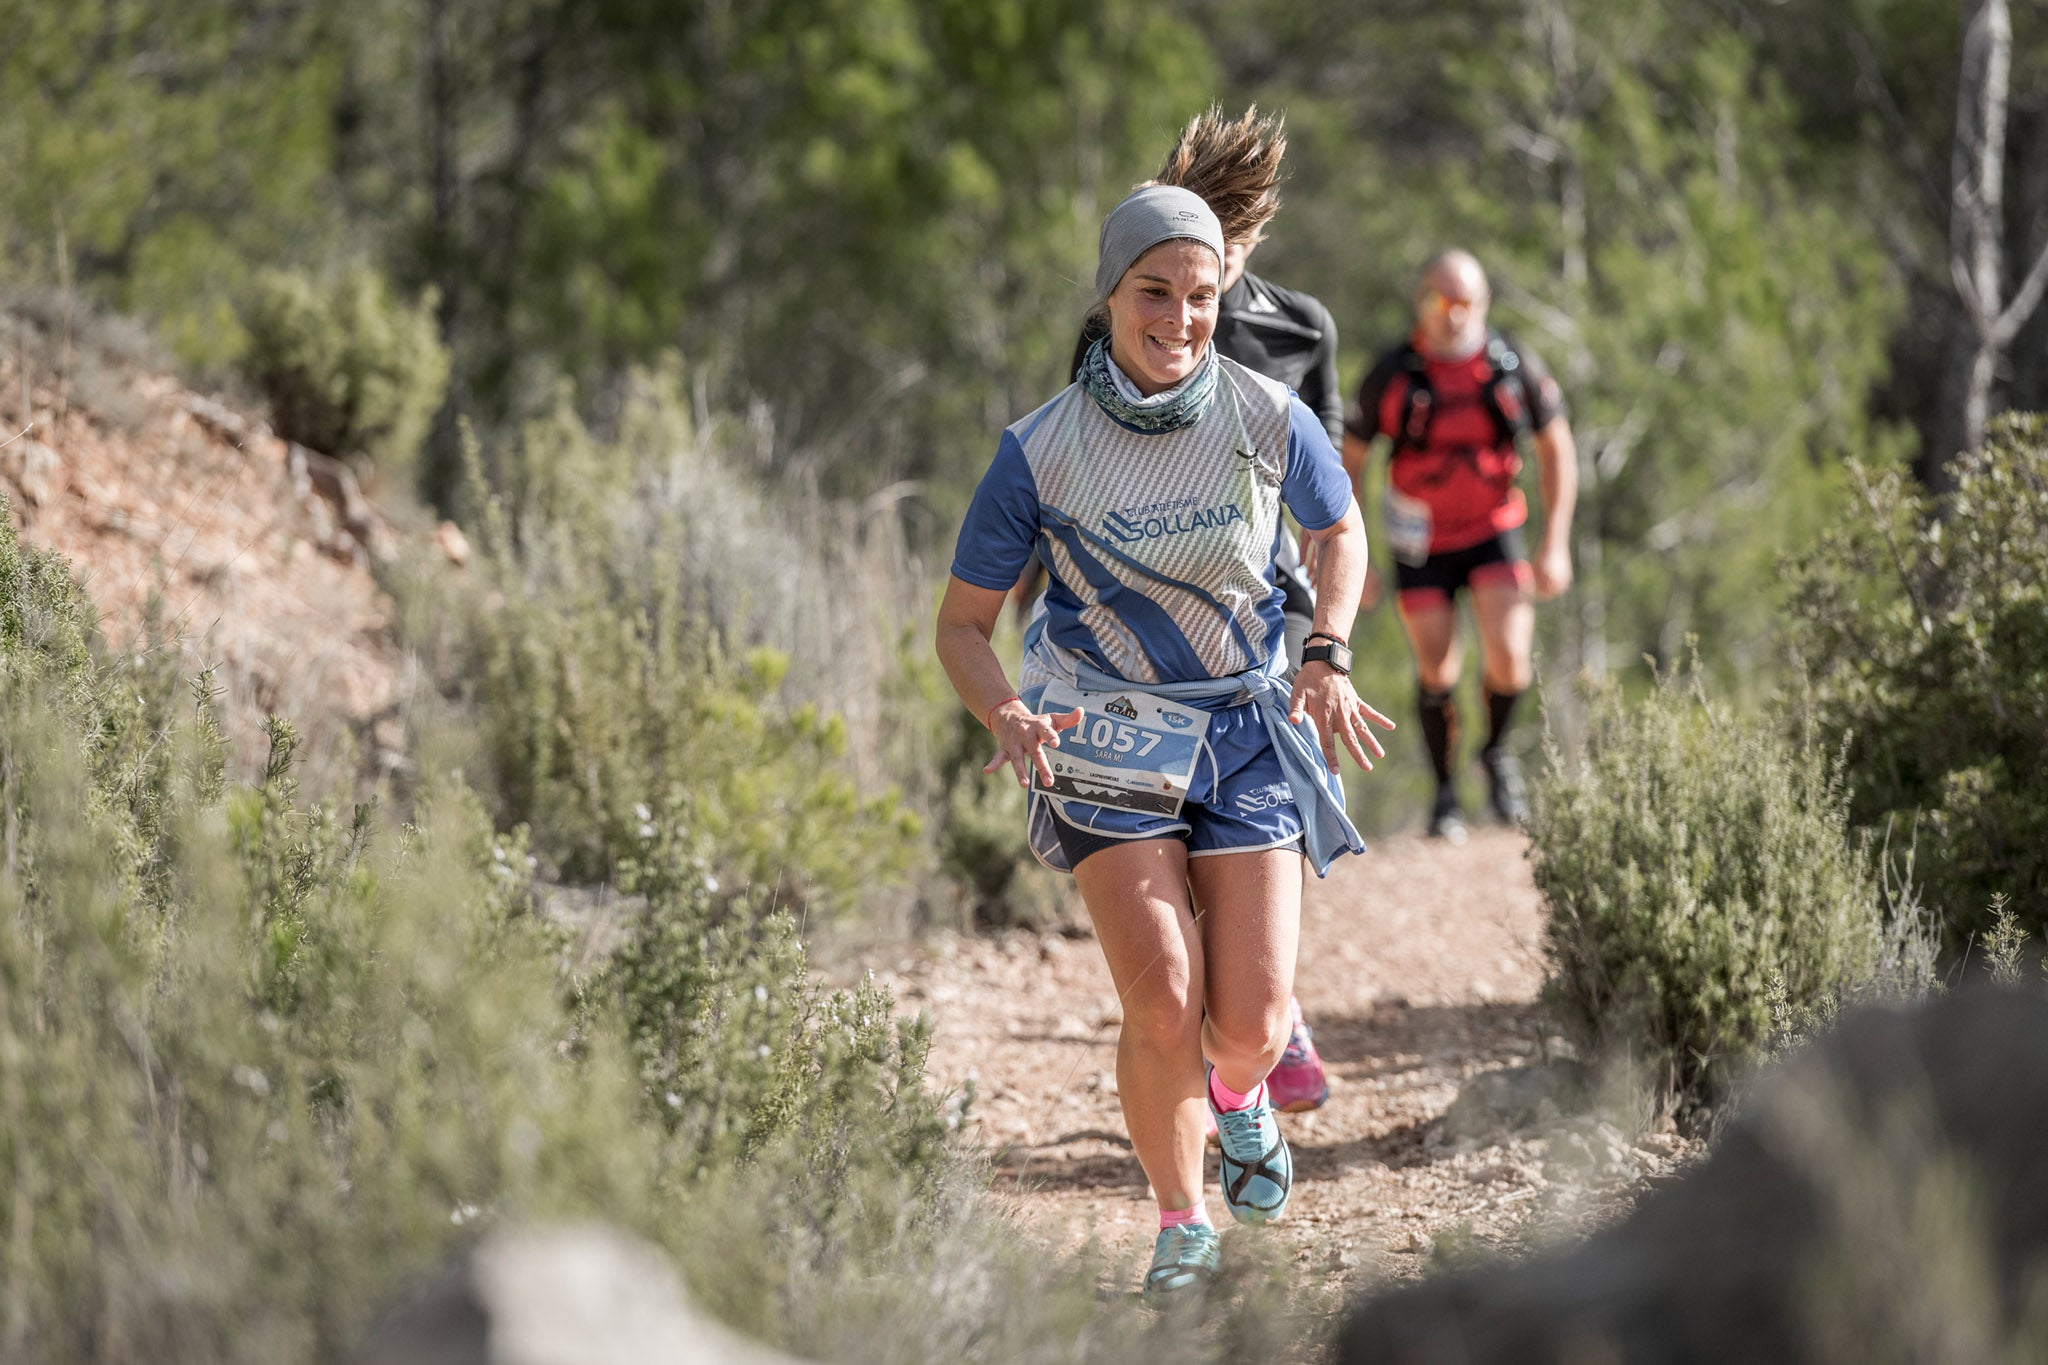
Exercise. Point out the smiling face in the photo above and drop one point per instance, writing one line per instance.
(1162, 313)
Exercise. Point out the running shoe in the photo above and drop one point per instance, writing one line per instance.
(1183, 1261)
(1504, 786)
(1298, 1084)
(1446, 821)
(1258, 1170)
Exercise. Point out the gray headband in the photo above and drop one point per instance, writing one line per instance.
(1154, 214)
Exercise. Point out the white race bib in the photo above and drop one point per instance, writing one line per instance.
(1131, 751)
(1409, 524)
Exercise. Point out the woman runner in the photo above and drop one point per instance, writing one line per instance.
(1191, 779)
(1284, 334)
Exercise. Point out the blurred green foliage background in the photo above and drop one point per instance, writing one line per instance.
(866, 229)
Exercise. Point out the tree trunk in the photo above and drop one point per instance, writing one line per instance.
(1585, 635)
(1977, 241)
(440, 473)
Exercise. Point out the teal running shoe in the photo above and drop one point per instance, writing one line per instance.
(1258, 1170)
(1183, 1261)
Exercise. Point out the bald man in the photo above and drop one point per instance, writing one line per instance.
(1455, 401)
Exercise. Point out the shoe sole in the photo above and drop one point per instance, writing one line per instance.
(1167, 1297)
(1304, 1106)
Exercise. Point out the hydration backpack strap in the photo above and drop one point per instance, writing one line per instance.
(1507, 399)
(1505, 395)
(1418, 404)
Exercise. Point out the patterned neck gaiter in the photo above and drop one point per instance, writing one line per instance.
(1177, 407)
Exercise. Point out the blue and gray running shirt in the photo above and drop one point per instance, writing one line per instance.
(1160, 546)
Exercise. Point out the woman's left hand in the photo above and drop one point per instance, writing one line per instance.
(1323, 696)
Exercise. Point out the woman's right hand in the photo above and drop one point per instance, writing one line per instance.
(1024, 736)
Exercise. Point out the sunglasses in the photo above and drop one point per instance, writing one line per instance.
(1436, 301)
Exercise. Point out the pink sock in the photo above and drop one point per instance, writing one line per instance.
(1229, 1100)
(1180, 1218)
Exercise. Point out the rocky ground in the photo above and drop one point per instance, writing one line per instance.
(260, 556)
(1419, 972)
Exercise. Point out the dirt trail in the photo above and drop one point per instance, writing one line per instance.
(1419, 969)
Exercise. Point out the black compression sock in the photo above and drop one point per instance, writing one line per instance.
(1500, 709)
(1439, 730)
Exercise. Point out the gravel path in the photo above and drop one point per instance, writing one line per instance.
(1419, 969)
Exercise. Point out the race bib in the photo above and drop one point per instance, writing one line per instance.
(1131, 751)
(1408, 527)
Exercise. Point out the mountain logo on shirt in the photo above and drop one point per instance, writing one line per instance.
(1126, 530)
(1122, 707)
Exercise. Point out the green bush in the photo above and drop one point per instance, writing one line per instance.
(248, 1073)
(988, 877)
(1925, 632)
(613, 719)
(347, 368)
(260, 1066)
(1702, 882)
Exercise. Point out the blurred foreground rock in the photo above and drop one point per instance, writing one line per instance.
(1883, 1197)
(557, 1296)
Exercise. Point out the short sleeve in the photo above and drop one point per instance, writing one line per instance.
(1362, 416)
(1546, 400)
(1001, 530)
(1315, 489)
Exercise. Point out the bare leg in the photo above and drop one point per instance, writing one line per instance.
(1251, 932)
(1506, 616)
(1137, 896)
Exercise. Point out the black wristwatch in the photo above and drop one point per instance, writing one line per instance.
(1336, 655)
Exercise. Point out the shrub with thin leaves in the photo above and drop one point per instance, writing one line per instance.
(614, 716)
(261, 1064)
(252, 1067)
(347, 368)
(1925, 632)
(989, 879)
(1701, 878)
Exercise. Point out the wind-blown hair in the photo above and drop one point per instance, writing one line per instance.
(1233, 164)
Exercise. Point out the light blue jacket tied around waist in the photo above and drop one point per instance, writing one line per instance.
(1318, 793)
